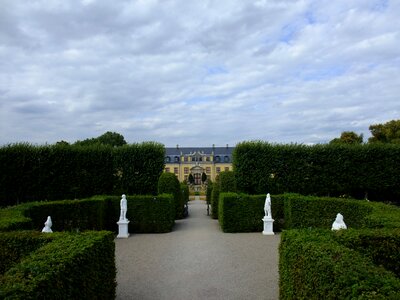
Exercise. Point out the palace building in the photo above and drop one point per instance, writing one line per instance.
(198, 160)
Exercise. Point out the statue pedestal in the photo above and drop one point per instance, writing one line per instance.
(268, 228)
(123, 229)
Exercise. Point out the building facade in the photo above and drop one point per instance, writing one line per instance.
(198, 160)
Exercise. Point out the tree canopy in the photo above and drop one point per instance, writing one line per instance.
(349, 138)
(388, 132)
(109, 138)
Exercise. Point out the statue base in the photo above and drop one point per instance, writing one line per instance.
(123, 229)
(268, 228)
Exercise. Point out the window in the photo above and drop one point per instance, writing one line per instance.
(176, 170)
(167, 159)
(186, 159)
(167, 170)
(208, 170)
(218, 169)
(226, 169)
(176, 158)
(217, 158)
(186, 170)
(226, 159)
(207, 158)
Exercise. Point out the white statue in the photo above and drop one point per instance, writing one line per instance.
(339, 223)
(47, 225)
(267, 206)
(124, 207)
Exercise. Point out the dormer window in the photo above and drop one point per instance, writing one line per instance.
(176, 159)
(217, 158)
(226, 159)
(168, 159)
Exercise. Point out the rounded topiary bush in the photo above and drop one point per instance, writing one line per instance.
(168, 183)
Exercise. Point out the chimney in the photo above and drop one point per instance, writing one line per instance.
(227, 146)
(177, 146)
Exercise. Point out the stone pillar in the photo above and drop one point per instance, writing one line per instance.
(268, 226)
(123, 229)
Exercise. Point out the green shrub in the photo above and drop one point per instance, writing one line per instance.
(209, 191)
(18, 244)
(168, 183)
(215, 198)
(244, 213)
(383, 216)
(227, 182)
(185, 192)
(13, 218)
(380, 245)
(313, 266)
(73, 266)
(322, 170)
(320, 212)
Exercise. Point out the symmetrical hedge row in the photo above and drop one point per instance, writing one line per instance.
(32, 173)
(314, 265)
(146, 214)
(244, 213)
(168, 183)
(71, 266)
(323, 170)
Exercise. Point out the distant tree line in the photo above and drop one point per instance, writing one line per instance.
(109, 138)
(387, 133)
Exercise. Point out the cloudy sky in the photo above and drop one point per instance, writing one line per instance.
(197, 73)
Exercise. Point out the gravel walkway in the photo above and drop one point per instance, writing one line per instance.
(197, 261)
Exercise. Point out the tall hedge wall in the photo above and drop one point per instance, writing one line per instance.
(323, 170)
(32, 173)
(168, 183)
(72, 266)
(313, 265)
(225, 182)
(244, 213)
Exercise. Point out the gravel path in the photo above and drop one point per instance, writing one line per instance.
(197, 261)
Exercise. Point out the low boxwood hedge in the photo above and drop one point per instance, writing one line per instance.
(72, 266)
(313, 265)
(244, 213)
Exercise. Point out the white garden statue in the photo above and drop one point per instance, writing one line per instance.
(268, 221)
(339, 223)
(47, 225)
(123, 221)
(124, 208)
(267, 207)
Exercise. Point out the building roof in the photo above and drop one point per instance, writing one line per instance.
(177, 151)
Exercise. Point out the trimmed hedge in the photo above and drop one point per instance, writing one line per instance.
(224, 182)
(168, 183)
(323, 170)
(72, 266)
(380, 245)
(215, 197)
(319, 212)
(313, 265)
(210, 185)
(146, 214)
(16, 245)
(244, 213)
(32, 173)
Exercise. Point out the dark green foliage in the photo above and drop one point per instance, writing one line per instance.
(146, 214)
(16, 245)
(388, 132)
(322, 170)
(349, 138)
(68, 215)
(72, 266)
(13, 218)
(184, 192)
(383, 216)
(210, 185)
(215, 198)
(244, 213)
(35, 173)
(313, 266)
(203, 177)
(109, 138)
(137, 168)
(316, 212)
(227, 182)
(168, 183)
(380, 245)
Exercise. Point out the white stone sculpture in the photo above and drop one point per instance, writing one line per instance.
(267, 207)
(47, 225)
(123, 221)
(339, 223)
(268, 221)
(124, 208)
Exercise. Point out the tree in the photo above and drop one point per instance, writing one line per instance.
(348, 138)
(388, 132)
(109, 138)
(191, 179)
(203, 177)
